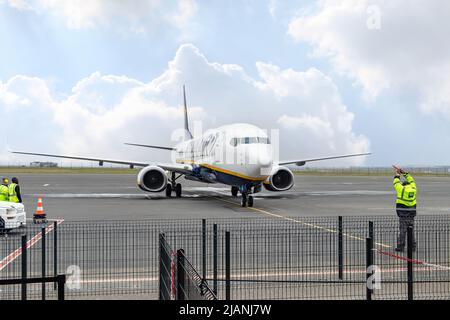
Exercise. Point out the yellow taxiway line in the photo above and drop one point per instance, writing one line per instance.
(311, 225)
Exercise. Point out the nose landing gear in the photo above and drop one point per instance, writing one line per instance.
(246, 200)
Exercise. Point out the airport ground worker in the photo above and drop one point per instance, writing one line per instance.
(405, 205)
(14, 191)
(4, 191)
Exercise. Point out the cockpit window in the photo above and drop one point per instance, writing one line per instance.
(263, 140)
(249, 140)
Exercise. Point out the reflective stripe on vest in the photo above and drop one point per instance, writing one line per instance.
(407, 196)
(12, 193)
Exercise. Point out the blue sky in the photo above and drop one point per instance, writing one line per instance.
(323, 72)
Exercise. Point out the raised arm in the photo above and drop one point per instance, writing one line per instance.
(410, 179)
(397, 183)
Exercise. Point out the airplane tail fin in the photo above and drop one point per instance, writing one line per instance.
(186, 120)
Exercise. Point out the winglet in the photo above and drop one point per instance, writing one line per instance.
(186, 120)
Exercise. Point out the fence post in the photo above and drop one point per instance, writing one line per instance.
(203, 250)
(215, 259)
(55, 251)
(162, 269)
(24, 267)
(43, 260)
(61, 281)
(340, 250)
(410, 264)
(180, 275)
(369, 263)
(371, 229)
(227, 266)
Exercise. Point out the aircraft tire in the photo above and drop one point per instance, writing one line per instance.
(250, 201)
(168, 190)
(234, 191)
(244, 200)
(178, 190)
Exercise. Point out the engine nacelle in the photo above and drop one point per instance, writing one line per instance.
(281, 179)
(152, 179)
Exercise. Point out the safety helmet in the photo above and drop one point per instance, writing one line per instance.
(5, 181)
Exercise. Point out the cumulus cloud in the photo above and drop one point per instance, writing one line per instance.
(384, 45)
(103, 111)
(139, 16)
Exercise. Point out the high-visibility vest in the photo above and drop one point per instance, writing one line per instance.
(12, 193)
(406, 195)
(4, 193)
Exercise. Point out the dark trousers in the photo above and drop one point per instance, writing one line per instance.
(406, 219)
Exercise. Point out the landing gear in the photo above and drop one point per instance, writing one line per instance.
(246, 192)
(246, 200)
(172, 186)
(234, 191)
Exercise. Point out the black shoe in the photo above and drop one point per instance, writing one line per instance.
(399, 249)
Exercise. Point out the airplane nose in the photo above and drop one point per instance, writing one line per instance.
(264, 160)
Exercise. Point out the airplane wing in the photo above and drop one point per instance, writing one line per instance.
(304, 161)
(179, 168)
(149, 146)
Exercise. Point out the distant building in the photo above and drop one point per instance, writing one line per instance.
(39, 164)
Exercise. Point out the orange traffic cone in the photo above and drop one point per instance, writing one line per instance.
(39, 215)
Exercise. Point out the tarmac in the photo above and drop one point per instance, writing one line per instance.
(105, 257)
(116, 196)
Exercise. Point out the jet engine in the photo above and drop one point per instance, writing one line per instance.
(152, 179)
(281, 179)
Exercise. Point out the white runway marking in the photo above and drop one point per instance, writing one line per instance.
(352, 192)
(106, 195)
(91, 195)
(46, 185)
(275, 274)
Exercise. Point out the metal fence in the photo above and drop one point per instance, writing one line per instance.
(178, 279)
(264, 258)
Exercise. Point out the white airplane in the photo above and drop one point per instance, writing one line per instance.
(239, 155)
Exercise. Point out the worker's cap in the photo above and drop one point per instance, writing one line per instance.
(5, 180)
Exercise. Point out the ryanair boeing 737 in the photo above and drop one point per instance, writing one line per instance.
(239, 155)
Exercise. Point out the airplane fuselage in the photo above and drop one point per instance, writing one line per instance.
(237, 155)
